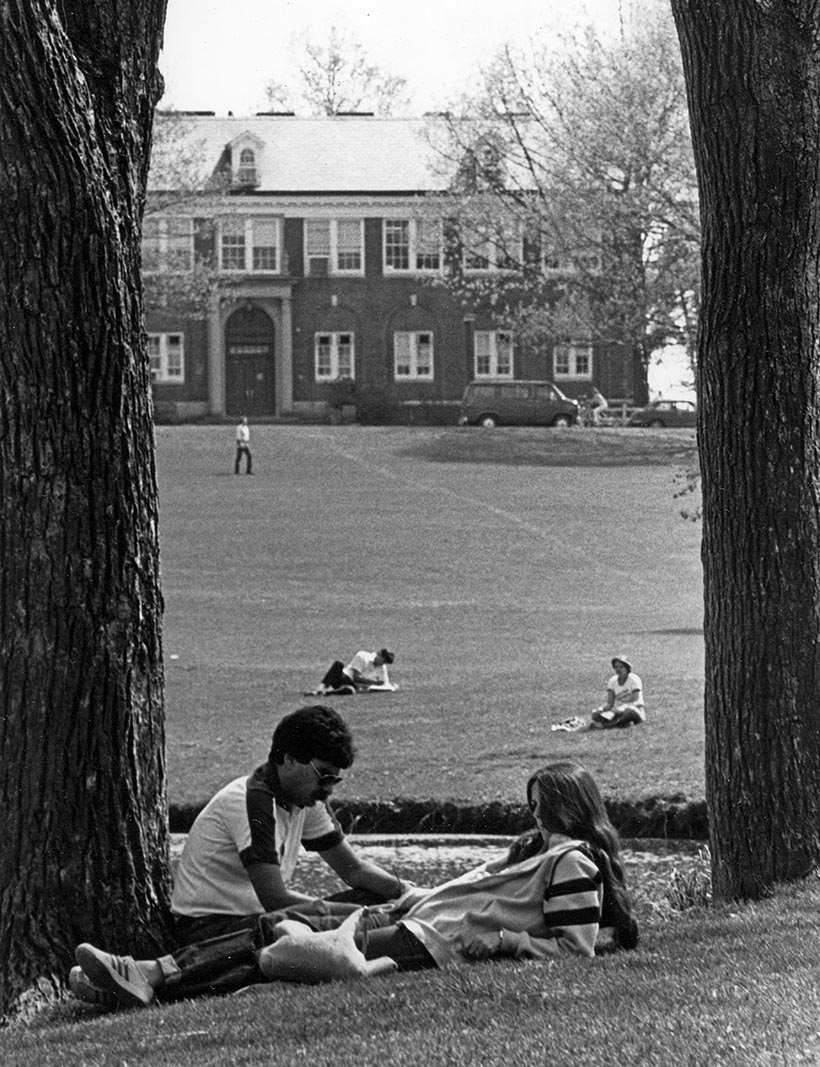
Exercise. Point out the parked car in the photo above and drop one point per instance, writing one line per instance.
(666, 413)
(516, 403)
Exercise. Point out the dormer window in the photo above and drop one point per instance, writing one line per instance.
(246, 154)
(246, 171)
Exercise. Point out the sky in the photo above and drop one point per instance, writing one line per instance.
(219, 55)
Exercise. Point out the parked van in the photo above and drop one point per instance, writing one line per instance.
(516, 404)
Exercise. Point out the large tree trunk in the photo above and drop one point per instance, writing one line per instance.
(83, 823)
(753, 74)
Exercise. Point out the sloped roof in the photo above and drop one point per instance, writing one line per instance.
(329, 154)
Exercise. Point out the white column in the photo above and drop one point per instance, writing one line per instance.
(216, 359)
(284, 385)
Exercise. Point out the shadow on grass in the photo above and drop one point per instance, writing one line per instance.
(524, 446)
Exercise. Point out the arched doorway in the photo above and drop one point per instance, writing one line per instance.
(249, 363)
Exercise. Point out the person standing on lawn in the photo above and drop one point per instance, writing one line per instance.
(546, 899)
(243, 446)
(243, 846)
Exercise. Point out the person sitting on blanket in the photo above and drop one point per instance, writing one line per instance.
(624, 703)
(366, 672)
(547, 898)
(624, 699)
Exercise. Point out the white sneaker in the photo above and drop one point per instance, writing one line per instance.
(572, 725)
(83, 989)
(119, 975)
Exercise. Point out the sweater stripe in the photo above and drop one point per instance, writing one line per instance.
(574, 917)
(573, 885)
(573, 902)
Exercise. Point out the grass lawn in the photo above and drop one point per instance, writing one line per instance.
(503, 567)
(734, 987)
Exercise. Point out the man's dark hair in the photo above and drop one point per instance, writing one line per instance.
(314, 732)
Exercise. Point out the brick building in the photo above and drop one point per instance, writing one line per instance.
(325, 264)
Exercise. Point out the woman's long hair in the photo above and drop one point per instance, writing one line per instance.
(571, 804)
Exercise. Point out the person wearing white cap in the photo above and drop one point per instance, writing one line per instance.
(624, 699)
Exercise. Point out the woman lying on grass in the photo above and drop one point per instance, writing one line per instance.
(548, 897)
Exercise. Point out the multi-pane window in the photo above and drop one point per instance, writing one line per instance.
(573, 360)
(428, 244)
(246, 171)
(493, 354)
(334, 246)
(233, 246)
(249, 244)
(412, 244)
(413, 355)
(167, 244)
(499, 249)
(397, 244)
(334, 354)
(166, 352)
(349, 244)
(478, 254)
(317, 241)
(585, 260)
(265, 235)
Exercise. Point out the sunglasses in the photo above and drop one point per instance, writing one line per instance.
(324, 777)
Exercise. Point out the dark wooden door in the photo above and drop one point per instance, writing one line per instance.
(249, 380)
(249, 364)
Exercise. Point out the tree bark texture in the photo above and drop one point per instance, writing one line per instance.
(753, 75)
(83, 814)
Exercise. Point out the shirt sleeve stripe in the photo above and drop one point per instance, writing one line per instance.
(573, 885)
(576, 917)
(259, 813)
(250, 856)
(326, 841)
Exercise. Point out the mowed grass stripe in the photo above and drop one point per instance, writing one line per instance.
(504, 586)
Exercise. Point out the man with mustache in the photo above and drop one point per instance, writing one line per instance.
(243, 847)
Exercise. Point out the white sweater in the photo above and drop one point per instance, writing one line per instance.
(547, 906)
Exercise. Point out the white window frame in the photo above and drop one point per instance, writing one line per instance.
(335, 342)
(243, 231)
(174, 237)
(489, 346)
(493, 250)
(413, 340)
(246, 173)
(418, 246)
(166, 352)
(332, 248)
(572, 355)
(568, 262)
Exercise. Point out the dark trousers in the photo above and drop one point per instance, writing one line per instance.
(204, 927)
(621, 719)
(243, 450)
(336, 677)
(227, 963)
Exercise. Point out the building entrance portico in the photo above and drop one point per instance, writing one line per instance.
(250, 342)
(250, 354)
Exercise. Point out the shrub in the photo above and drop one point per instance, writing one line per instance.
(692, 887)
